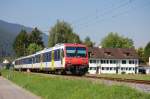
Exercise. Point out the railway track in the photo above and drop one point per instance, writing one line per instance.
(147, 82)
(119, 79)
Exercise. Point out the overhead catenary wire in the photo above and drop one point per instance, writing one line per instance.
(98, 18)
(102, 16)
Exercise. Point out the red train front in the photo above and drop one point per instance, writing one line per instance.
(76, 58)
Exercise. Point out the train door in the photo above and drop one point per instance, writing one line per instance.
(61, 56)
(52, 60)
(41, 61)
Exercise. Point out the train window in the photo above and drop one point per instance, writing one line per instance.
(30, 60)
(49, 56)
(37, 57)
(45, 56)
(57, 55)
(70, 51)
(81, 52)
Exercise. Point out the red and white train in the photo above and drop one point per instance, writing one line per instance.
(60, 58)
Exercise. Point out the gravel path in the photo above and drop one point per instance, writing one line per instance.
(8, 90)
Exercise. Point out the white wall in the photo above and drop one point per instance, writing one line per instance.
(127, 68)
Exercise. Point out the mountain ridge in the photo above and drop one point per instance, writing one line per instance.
(8, 32)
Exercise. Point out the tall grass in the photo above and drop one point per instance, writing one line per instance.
(60, 88)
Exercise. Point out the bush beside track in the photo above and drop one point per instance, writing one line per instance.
(60, 88)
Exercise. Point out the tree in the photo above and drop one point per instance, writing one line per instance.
(20, 44)
(147, 51)
(62, 32)
(36, 37)
(88, 42)
(140, 52)
(33, 47)
(24, 39)
(113, 40)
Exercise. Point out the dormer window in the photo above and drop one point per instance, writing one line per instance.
(108, 53)
(127, 54)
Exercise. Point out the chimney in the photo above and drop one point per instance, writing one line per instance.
(99, 46)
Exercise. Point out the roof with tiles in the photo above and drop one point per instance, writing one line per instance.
(113, 53)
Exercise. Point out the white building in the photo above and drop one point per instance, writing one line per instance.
(113, 60)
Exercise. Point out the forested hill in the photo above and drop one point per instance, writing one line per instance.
(8, 32)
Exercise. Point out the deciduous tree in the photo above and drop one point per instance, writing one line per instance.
(36, 37)
(21, 43)
(88, 42)
(113, 40)
(62, 32)
(147, 51)
(33, 47)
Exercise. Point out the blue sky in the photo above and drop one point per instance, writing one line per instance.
(93, 18)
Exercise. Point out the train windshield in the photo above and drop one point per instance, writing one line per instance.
(76, 51)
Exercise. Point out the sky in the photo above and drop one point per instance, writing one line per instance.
(93, 18)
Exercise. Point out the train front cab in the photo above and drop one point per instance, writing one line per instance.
(76, 59)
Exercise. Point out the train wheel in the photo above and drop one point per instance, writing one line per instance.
(62, 72)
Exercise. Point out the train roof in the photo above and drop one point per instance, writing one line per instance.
(74, 44)
(59, 45)
(25, 57)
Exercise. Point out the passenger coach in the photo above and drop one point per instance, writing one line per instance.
(60, 58)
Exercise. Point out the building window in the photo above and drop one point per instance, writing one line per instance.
(136, 61)
(123, 61)
(111, 68)
(101, 61)
(98, 61)
(92, 61)
(92, 68)
(129, 68)
(102, 68)
(133, 68)
(131, 61)
(107, 68)
(107, 61)
(111, 62)
(114, 61)
(104, 61)
(114, 68)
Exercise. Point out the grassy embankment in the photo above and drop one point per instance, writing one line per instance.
(127, 76)
(60, 88)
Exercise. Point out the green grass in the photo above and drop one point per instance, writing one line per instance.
(60, 88)
(127, 76)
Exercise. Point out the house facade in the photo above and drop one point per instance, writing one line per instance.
(113, 61)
